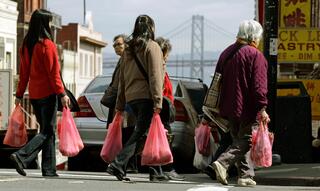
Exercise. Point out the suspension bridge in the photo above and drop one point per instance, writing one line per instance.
(195, 49)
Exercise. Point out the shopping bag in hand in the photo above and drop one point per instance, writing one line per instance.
(202, 138)
(156, 150)
(70, 143)
(113, 142)
(261, 146)
(16, 135)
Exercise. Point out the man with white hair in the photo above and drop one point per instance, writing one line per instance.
(243, 99)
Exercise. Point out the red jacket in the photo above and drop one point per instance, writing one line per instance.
(167, 88)
(43, 75)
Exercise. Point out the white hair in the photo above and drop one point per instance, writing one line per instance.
(250, 30)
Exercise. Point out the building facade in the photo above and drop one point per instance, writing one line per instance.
(81, 58)
(8, 34)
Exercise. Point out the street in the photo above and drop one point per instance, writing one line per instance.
(93, 181)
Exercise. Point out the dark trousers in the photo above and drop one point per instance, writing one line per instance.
(45, 110)
(238, 152)
(143, 111)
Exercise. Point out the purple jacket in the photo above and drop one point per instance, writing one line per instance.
(244, 83)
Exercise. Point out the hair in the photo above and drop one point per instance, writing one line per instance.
(143, 31)
(164, 44)
(250, 30)
(123, 36)
(38, 28)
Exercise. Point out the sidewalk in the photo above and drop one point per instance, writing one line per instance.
(307, 174)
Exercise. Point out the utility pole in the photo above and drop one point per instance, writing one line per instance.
(270, 52)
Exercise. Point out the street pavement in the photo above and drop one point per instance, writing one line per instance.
(95, 181)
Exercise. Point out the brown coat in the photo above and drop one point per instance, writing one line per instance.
(133, 84)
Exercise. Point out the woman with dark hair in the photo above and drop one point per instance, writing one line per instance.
(40, 70)
(141, 82)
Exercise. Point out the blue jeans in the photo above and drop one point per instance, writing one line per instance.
(45, 110)
(143, 111)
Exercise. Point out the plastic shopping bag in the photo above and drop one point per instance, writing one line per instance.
(261, 149)
(200, 161)
(70, 143)
(16, 135)
(113, 142)
(202, 139)
(156, 150)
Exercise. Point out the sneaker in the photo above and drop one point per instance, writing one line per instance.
(173, 175)
(221, 172)
(115, 172)
(246, 182)
(155, 176)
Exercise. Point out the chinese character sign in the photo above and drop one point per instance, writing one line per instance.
(295, 13)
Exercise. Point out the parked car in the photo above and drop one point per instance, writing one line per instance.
(92, 117)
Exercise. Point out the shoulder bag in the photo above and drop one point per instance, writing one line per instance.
(109, 97)
(172, 109)
(74, 107)
(212, 99)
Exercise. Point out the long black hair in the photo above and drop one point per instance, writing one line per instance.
(39, 27)
(143, 31)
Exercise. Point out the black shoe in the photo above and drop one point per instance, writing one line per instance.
(50, 175)
(115, 172)
(210, 172)
(173, 175)
(154, 176)
(18, 164)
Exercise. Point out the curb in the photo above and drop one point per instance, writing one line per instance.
(288, 181)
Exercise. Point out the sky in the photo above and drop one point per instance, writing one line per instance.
(112, 17)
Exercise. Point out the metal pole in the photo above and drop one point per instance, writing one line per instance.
(270, 52)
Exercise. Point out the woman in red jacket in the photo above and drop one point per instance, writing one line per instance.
(40, 70)
(168, 101)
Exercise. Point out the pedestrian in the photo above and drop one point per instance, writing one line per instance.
(119, 45)
(141, 82)
(40, 70)
(167, 103)
(243, 99)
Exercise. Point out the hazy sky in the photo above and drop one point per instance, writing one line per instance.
(111, 17)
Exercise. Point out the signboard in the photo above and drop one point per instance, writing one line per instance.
(295, 13)
(299, 45)
(313, 89)
(299, 32)
(5, 97)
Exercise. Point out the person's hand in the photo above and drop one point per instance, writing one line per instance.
(204, 122)
(264, 116)
(65, 101)
(157, 110)
(17, 101)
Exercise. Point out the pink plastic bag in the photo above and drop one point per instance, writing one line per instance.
(16, 135)
(70, 143)
(202, 138)
(261, 149)
(113, 142)
(156, 150)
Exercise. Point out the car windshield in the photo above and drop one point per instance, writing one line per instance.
(98, 85)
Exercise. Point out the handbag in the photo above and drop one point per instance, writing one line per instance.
(109, 97)
(211, 102)
(74, 106)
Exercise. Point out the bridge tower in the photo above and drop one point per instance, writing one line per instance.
(197, 45)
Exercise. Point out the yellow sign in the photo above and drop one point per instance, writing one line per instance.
(313, 89)
(295, 13)
(299, 45)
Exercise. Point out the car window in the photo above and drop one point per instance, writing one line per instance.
(98, 84)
